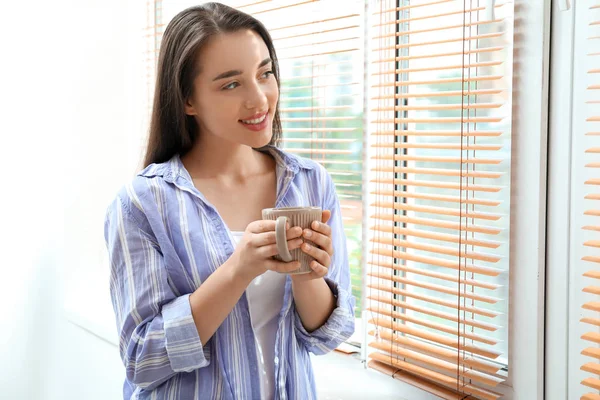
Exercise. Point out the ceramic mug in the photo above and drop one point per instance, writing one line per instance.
(295, 216)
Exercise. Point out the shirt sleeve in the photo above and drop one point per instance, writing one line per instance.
(157, 334)
(340, 324)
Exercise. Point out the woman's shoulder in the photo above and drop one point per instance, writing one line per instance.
(298, 162)
(312, 171)
(133, 196)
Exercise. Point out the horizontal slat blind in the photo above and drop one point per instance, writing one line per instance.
(590, 144)
(440, 188)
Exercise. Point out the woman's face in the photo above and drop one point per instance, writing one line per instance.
(235, 93)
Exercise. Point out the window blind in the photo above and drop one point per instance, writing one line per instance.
(320, 49)
(440, 117)
(591, 231)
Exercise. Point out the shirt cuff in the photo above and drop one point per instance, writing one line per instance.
(184, 349)
(338, 327)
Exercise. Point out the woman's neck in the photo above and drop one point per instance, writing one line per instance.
(223, 160)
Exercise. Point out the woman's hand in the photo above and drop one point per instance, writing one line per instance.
(253, 254)
(322, 252)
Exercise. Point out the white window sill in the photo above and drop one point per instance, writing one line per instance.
(338, 375)
(100, 329)
(341, 376)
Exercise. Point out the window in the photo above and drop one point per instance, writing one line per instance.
(441, 137)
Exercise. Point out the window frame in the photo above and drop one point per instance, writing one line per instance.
(559, 204)
(528, 214)
(565, 216)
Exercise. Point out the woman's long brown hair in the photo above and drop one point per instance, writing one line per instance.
(172, 131)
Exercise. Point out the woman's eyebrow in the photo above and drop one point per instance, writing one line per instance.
(236, 72)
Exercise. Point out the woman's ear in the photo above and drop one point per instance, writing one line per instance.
(189, 108)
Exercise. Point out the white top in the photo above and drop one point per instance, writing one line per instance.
(265, 300)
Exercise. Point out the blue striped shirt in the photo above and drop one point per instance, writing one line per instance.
(164, 239)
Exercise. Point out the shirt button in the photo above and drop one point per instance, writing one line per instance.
(276, 360)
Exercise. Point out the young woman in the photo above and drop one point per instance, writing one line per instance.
(203, 310)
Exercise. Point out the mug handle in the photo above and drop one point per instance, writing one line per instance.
(281, 239)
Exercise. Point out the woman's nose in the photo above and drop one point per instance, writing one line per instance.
(257, 99)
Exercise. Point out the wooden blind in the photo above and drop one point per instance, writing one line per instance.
(440, 117)
(320, 50)
(590, 142)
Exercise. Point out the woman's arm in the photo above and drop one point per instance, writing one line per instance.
(314, 302)
(155, 323)
(323, 299)
(312, 296)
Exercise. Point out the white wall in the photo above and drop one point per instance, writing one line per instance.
(68, 114)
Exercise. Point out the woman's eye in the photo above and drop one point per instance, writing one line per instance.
(266, 74)
(232, 85)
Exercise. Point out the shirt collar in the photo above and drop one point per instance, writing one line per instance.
(173, 169)
(286, 160)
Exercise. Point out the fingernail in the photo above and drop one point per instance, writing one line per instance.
(315, 225)
(306, 246)
(307, 233)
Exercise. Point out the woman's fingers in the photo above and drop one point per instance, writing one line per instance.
(261, 226)
(318, 269)
(282, 267)
(263, 239)
(318, 254)
(321, 228)
(326, 215)
(271, 250)
(293, 233)
(320, 240)
(268, 238)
